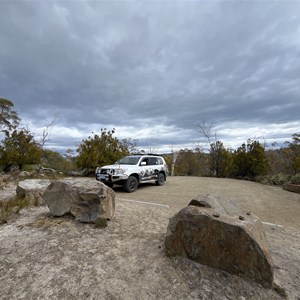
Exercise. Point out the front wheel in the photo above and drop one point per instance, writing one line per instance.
(160, 179)
(130, 184)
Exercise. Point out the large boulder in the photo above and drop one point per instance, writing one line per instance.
(86, 200)
(33, 190)
(213, 231)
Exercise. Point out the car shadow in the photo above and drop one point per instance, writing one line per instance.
(119, 188)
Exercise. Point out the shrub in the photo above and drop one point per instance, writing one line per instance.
(277, 179)
(295, 179)
(101, 223)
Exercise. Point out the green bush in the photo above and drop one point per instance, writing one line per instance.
(279, 179)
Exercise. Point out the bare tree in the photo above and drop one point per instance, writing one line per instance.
(46, 131)
(151, 147)
(206, 130)
(215, 146)
(174, 154)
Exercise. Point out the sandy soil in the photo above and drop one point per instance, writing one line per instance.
(42, 257)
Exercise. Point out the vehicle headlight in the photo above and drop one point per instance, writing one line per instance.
(119, 171)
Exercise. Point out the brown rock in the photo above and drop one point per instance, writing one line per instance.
(225, 243)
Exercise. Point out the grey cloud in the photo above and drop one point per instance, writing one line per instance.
(174, 63)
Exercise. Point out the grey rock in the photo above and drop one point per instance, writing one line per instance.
(86, 200)
(32, 189)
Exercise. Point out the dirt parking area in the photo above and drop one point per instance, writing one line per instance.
(271, 204)
(42, 257)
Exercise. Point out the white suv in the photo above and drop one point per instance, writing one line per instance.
(130, 171)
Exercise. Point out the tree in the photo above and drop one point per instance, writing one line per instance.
(293, 153)
(174, 154)
(100, 150)
(8, 116)
(46, 131)
(220, 159)
(250, 160)
(19, 148)
(130, 145)
(54, 160)
(189, 163)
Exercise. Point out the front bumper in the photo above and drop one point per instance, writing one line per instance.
(111, 178)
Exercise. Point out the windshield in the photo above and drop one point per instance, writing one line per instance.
(128, 160)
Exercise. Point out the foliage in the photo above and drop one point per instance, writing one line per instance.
(130, 145)
(100, 150)
(293, 153)
(9, 119)
(190, 163)
(278, 161)
(19, 148)
(54, 160)
(250, 160)
(220, 160)
(168, 159)
(279, 179)
(295, 178)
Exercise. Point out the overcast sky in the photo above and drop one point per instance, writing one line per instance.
(153, 70)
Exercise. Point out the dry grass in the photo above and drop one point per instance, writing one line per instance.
(12, 207)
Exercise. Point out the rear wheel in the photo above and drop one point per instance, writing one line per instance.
(130, 184)
(160, 179)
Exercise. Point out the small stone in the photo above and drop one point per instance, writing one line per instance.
(242, 218)
(216, 215)
(248, 213)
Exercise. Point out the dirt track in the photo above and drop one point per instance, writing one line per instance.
(42, 257)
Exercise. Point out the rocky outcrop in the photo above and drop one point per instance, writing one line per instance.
(33, 190)
(213, 231)
(86, 200)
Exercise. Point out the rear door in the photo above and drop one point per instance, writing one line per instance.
(148, 169)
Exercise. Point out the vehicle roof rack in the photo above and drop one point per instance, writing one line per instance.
(146, 154)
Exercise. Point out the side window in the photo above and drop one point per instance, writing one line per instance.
(153, 161)
(145, 160)
(160, 162)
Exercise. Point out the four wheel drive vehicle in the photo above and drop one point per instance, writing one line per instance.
(130, 171)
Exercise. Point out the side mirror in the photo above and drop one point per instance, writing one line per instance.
(143, 163)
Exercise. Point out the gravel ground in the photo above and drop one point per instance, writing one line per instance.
(42, 257)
